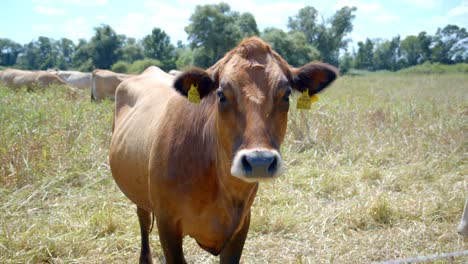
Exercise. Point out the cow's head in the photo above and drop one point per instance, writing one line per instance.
(251, 88)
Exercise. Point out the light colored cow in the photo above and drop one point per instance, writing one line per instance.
(9, 74)
(80, 80)
(30, 79)
(104, 83)
(463, 227)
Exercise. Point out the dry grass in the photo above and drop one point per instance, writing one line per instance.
(376, 171)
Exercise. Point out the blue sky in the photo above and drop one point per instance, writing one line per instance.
(25, 20)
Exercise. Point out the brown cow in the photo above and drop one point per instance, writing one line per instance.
(104, 83)
(196, 167)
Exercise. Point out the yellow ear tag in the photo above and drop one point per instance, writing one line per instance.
(314, 98)
(193, 94)
(304, 101)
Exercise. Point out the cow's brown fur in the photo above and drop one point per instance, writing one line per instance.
(173, 158)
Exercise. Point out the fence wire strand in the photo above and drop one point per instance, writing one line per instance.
(426, 258)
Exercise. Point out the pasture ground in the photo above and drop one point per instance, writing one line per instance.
(376, 171)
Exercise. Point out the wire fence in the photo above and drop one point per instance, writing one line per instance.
(451, 255)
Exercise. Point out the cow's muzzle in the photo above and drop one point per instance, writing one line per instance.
(257, 164)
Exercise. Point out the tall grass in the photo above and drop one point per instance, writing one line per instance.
(436, 68)
(375, 171)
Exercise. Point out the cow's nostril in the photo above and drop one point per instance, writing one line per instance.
(273, 166)
(246, 164)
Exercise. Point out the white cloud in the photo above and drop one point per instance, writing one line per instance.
(460, 10)
(423, 4)
(48, 11)
(458, 15)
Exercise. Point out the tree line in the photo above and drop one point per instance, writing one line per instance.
(215, 29)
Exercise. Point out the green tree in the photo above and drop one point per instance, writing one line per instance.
(215, 29)
(346, 62)
(104, 47)
(39, 54)
(450, 45)
(131, 50)
(65, 48)
(247, 25)
(365, 54)
(139, 66)
(47, 53)
(425, 41)
(121, 67)
(158, 46)
(387, 55)
(29, 59)
(328, 37)
(184, 56)
(305, 21)
(411, 50)
(82, 56)
(293, 46)
(9, 51)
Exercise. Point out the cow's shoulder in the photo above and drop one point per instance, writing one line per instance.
(152, 88)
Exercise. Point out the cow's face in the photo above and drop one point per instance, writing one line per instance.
(252, 87)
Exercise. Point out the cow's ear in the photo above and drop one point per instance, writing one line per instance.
(314, 76)
(197, 78)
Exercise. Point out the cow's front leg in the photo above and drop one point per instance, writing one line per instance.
(233, 250)
(144, 217)
(170, 236)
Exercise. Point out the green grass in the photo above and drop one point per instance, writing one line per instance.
(436, 68)
(375, 171)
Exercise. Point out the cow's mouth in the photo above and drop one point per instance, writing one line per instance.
(257, 164)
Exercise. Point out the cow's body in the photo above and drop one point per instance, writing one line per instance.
(196, 167)
(463, 227)
(9, 74)
(30, 79)
(104, 83)
(79, 80)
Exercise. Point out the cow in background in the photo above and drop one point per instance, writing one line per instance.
(30, 79)
(77, 79)
(104, 83)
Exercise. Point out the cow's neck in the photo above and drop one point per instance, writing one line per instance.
(233, 194)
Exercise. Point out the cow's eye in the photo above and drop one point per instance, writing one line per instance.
(221, 96)
(286, 95)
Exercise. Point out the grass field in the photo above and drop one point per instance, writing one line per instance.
(376, 171)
